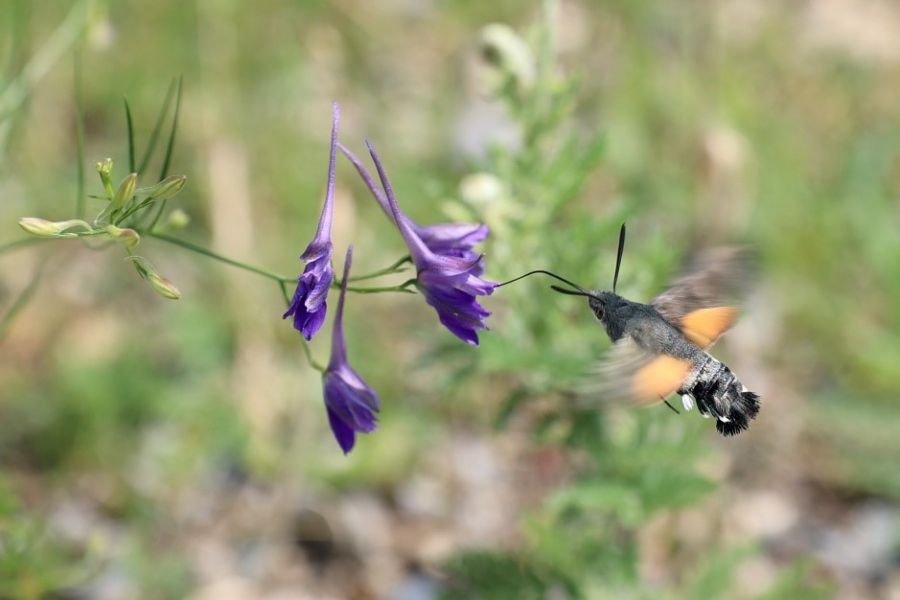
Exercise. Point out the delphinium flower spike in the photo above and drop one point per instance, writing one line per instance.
(452, 239)
(350, 402)
(450, 284)
(308, 306)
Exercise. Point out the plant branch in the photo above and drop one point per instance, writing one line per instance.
(224, 259)
(394, 268)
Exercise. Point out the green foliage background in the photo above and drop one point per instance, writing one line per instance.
(697, 123)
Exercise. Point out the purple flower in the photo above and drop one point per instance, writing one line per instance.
(308, 306)
(450, 239)
(450, 283)
(350, 402)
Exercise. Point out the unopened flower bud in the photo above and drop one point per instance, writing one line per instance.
(163, 286)
(125, 191)
(40, 227)
(167, 188)
(179, 219)
(104, 168)
(160, 284)
(125, 236)
(45, 228)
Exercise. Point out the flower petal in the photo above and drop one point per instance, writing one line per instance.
(345, 436)
(453, 239)
(448, 237)
(312, 322)
(352, 405)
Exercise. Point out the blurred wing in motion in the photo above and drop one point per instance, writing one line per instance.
(700, 301)
(630, 374)
(704, 326)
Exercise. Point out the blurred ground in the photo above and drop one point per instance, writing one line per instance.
(153, 449)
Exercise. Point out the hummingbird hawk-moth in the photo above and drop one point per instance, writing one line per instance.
(660, 348)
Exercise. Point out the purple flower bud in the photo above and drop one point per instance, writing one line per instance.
(450, 283)
(350, 402)
(308, 306)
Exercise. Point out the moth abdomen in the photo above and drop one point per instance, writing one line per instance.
(720, 394)
(744, 407)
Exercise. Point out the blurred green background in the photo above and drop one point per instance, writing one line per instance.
(157, 449)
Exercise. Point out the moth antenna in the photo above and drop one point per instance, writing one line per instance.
(554, 275)
(619, 256)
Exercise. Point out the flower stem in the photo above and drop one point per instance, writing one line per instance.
(394, 268)
(281, 279)
(309, 357)
(375, 290)
(228, 261)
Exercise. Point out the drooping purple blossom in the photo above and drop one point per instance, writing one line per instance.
(449, 239)
(308, 306)
(450, 283)
(351, 403)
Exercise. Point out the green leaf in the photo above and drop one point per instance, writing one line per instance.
(170, 146)
(490, 575)
(130, 126)
(157, 129)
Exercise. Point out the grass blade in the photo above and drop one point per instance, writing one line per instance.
(171, 144)
(79, 135)
(170, 147)
(63, 37)
(154, 135)
(130, 125)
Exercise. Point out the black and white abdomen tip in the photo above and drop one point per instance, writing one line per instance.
(719, 394)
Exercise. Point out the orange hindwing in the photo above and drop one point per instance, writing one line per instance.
(659, 378)
(704, 326)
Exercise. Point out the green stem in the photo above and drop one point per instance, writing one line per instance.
(281, 279)
(309, 357)
(375, 290)
(210, 254)
(79, 134)
(284, 293)
(394, 268)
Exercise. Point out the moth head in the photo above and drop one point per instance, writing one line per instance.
(600, 303)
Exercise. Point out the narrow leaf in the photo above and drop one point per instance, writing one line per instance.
(154, 135)
(169, 148)
(130, 124)
(79, 136)
(171, 145)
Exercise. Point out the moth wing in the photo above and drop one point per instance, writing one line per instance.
(700, 302)
(631, 374)
(705, 325)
